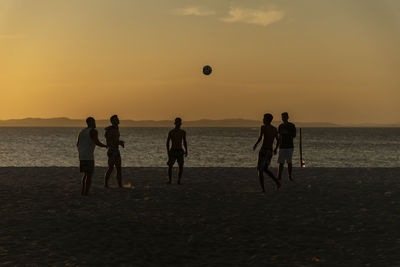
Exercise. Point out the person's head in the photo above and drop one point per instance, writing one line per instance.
(268, 118)
(91, 123)
(178, 122)
(285, 116)
(114, 120)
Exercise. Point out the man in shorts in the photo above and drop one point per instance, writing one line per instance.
(87, 140)
(287, 131)
(114, 156)
(177, 136)
(268, 134)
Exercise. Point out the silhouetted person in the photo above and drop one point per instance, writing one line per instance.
(87, 140)
(287, 131)
(114, 156)
(268, 133)
(176, 153)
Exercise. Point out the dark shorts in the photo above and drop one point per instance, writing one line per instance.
(86, 166)
(264, 158)
(112, 154)
(175, 155)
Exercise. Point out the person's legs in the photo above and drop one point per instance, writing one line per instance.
(281, 161)
(181, 161)
(278, 184)
(262, 162)
(88, 183)
(171, 161)
(268, 157)
(109, 171)
(180, 173)
(261, 177)
(280, 170)
(83, 183)
(289, 167)
(170, 166)
(289, 162)
(119, 171)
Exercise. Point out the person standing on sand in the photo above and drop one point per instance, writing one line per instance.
(177, 136)
(268, 133)
(287, 131)
(87, 140)
(114, 156)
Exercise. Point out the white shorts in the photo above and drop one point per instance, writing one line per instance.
(285, 154)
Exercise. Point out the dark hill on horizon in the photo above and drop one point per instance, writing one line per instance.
(66, 122)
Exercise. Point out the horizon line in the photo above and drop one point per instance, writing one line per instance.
(213, 120)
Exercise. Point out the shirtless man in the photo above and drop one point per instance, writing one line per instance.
(114, 156)
(176, 153)
(88, 139)
(268, 133)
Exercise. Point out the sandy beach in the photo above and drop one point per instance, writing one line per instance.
(218, 217)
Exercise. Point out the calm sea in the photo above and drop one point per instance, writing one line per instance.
(208, 147)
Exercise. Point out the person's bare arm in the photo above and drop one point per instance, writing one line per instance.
(168, 141)
(185, 144)
(121, 143)
(259, 138)
(117, 140)
(108, 138)
(95, 137)
(77, 140)
(277, 143)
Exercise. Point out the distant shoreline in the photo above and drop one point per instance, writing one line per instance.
(101, 126)
(224, 123)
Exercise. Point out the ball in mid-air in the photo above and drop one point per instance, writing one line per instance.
(207, 70)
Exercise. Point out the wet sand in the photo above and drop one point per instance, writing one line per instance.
(218, 217)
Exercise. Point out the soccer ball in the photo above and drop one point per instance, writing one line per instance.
(207, 70)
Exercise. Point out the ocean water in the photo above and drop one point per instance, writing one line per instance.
(208, 147)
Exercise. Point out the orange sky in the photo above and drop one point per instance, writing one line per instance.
(320, 60)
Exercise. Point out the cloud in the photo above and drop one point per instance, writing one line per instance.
(254, 16)
(193, 11)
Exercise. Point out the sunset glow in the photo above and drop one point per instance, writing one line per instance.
(334, 61)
